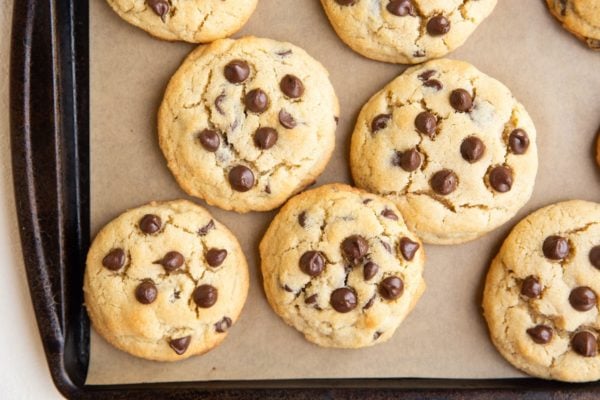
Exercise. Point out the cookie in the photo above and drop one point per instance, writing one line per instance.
(580, 17)
(165, 281)
(340, 266)
(406, 31)
(247, 123)
(541, 293)
(598, 149)
(194, 21)
(450, 146)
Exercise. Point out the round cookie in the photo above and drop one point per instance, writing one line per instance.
(541, 293)
(194, 21)
(165, 281)
(247, 123)
(340, 266)
(406, 31)
(450, 146)
(580, 17)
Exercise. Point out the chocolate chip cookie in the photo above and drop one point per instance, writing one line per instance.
(195, 21)
(165, 281)
(406, 31)
(580, 17)
(247, 123)
(340, 266)
(541, 294)
(450, 146)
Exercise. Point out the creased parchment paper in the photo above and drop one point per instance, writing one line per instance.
(549, 71)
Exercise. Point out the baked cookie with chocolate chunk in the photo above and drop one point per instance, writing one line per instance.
(541, 293)
(406, 31)
(340, 266)
(247, 123)
(194, 21)
(580, 17)
(450, 146)
(165, 281)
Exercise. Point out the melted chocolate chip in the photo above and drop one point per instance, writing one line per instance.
(380, 122)
(172, 260)
(206, 228)
(438, 25)
(444, 182)
(401, 8)
(265, 138)
(215, 257)
(408, 248)
(556, 247)
(376, 335)
(370, 270)
(434, 84)
(256, 101)
(346, 2)
(343, 300)
(146, 292)
(312, 263)
(292, 86)
(241, 178)
(461, 100)
(386, 246)
(205, 296)
(518, 141)
(237, 71)
(583, 298)
(180, 345)
(312, 299)
(585, 344)
(354, 248)
(160, 7)
(302, 219)
(541, 334)
(531, 287)
(210, 140)
(472, 149)
(268, 189)
(287, 289)
(425, 76)
(409, 160)
(218, 102)
(370, 303)
(150, 223)
(391, 288)
(286, 120)
(595, 256)
(114, 260)
(426, 123)
(389, 214)
(501, 179)
(223, 325)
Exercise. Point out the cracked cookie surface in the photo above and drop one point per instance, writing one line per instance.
(580, 17)
(247, 123)
(340, 266)
(541, 293)
(194, 21)
(406, 31)
(450, 146)
(165, 281)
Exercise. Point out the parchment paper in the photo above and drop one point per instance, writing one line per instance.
(549, 71)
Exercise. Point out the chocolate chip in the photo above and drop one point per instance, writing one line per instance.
(312, 299)
(367, 201)
(114, 260)
(223, 325)
(268, 189)
(518, 141)
(180, 345)
(556, 247)
(256, 101)
(237, 71)
(370, 270)
(376, 335)
(531, 287)
(302, 219)
(391, 288)
(419, 53)
(205, 296)
(219, 102)
(284, 53)
(389, 214)
(595, 256)
(582, 298)
(265, 138)
(312, 263)
(426, 123)
(146, 292)
(292, 86)
(210, 140)
(408, 248)
(438, 25)
(286, 120)
(501, 179)
(346, 2)
(425, 76)
(206, 228)
(461, 100)
(444, 182)
(215, 257)
(172, 260)
(540, 334)
(150, 223)
(401, 8)
(380, 122)
(287, 289)
(585, 343)
(434, 83)
(386, 246)
(241, 178)
(160, 7)
(370, 303)
(354, 248)
(409, 160)
(343, 300)
(472, 149)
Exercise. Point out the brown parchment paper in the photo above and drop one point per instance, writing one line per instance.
(549, 71)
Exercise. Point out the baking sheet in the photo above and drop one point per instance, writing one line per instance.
(550, 72)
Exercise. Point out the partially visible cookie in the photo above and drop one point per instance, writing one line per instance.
(195, 21)
(165, 281)
(247, 123)
(406, 31)
(541, 293)
(598, 149)
(450, 146)
(340, 266)
(580, 17)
